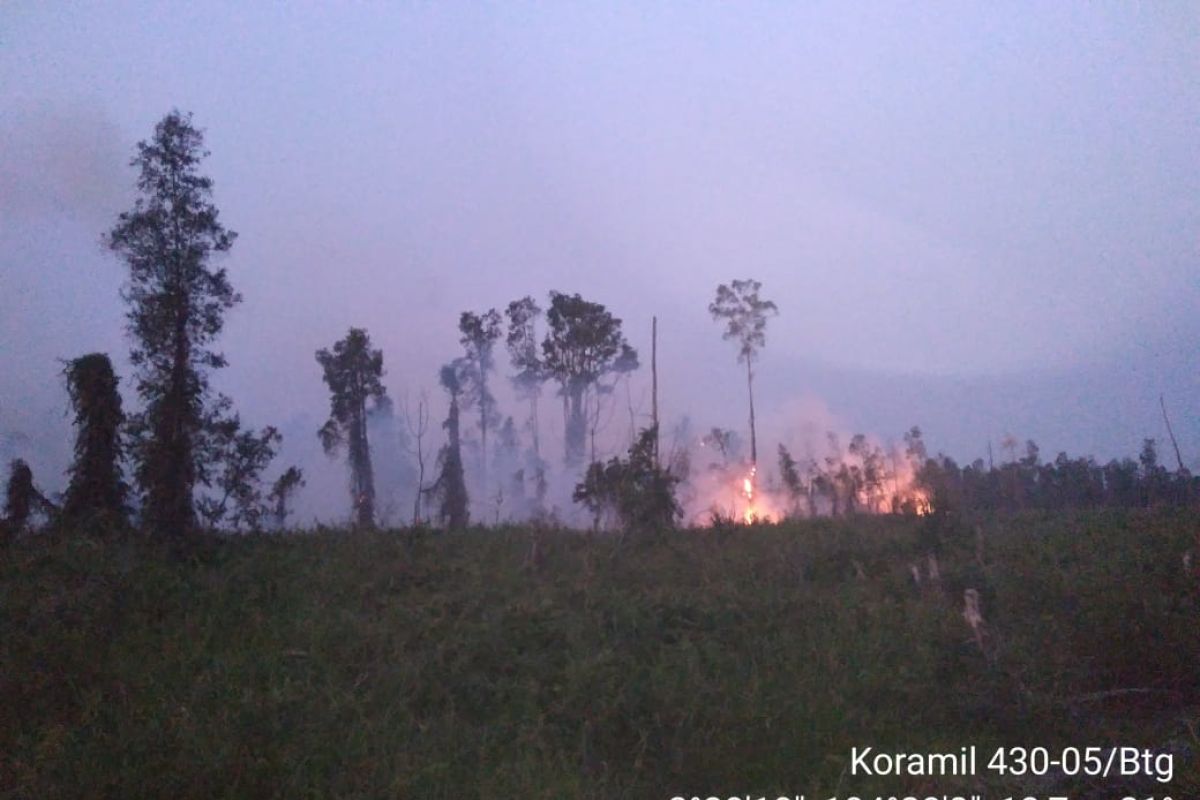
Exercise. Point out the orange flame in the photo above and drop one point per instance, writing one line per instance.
(725, 491)
(748, 491)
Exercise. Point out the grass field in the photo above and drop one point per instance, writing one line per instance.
(723, 662)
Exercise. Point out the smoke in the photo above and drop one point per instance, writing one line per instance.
(62, 161)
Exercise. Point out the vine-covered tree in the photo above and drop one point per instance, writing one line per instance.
(353, 371)
(96, 490)
(745, 315)
(583, 344)
(177, 305)
(450, 486)
(479, 335)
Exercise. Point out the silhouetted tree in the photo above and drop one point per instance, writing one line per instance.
(870, 474)
(789, 473)
(417, 427)
(21, 499)
(450, 486)
(583, 344)
(353, 371)
(177, 306)
(522, 343)
(96, 491)
(242, 455)
(914, 447)
(479, 335)
(522, 346)
(636, 490)
(834, 476)
(745, 316)
(1153, 473)
(506, 465)
(723, 442)
(285, 486)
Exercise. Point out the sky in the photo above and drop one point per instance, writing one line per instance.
(983, 219)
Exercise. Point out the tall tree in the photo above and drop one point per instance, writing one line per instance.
(583, 344)
(353, 371)
(530, 374)
(177, 306)
(479, 335)
(450, 486)
(96, 490)
(745, 315)
(522, 346)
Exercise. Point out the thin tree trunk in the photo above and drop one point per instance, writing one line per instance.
(483, 430)
(533, 421)
(420, 433)
(654, 382)
(753, 438)
(1171, 433)
(632, 415)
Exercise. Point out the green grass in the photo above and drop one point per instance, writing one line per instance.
(401, 664)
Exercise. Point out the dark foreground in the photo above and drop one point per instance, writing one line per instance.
(726, 663)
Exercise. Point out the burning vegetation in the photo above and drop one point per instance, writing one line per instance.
(865, 478)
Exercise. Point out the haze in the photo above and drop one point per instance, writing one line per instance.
(982, 220)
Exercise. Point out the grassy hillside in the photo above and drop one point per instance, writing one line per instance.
(424, 665)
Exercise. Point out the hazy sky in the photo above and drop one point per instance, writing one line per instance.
(980, 218)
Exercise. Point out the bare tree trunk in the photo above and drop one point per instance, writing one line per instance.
(483, 430)
(420, 484)
(593, 419)
(632, 414)
(364, 474)
(1171, 433)
(533, 422)
(753, 438)
(418, 432)
(654, 382)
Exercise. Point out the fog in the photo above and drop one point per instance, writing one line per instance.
(983, 221)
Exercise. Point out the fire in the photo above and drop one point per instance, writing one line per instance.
(843, 487)
(866, 477)
(748, 491)
(760, 506)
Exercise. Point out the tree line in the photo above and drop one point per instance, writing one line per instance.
(192, 462)
(1029, 482)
